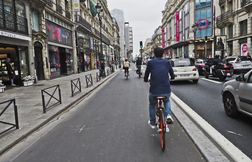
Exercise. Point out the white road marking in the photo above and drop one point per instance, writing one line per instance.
(238, 134)
(213, 81)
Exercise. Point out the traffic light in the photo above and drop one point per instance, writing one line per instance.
(141, 44)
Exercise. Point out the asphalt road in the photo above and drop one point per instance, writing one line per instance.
(205, 98)
(111, 126)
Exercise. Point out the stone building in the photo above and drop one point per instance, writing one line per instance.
(235, 23)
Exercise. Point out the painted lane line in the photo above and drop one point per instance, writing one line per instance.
(213, 81)
(235, 153)
(238, 134)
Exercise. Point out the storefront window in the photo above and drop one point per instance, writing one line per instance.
(54, 61)
(24, 64)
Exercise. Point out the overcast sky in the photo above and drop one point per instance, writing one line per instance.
(143, 15)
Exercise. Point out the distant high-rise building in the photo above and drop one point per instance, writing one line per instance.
(128, 36)
(118, 15)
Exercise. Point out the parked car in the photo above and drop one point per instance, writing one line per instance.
(184, 69)
(217, 68)
(237, 95)
(241, 64)
(200, 65)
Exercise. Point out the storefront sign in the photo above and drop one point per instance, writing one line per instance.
(202, 24)
(15, 36)
(244, 49)
(58, 34)
(177, 26)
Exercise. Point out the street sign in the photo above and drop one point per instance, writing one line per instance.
(244, 49)
(202, 24)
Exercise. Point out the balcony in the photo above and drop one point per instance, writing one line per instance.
(222, 2)
(48, 2)
(225, 19)
(83, 22)
(8, 21)
(247, 5)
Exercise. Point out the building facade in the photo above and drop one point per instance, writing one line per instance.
(128, 37)
(15, 40)
(235, 23)
(54, 39)
(119, 16)
(188, 28)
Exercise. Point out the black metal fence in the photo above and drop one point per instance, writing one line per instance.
(75, 86)
(7, 104)
(48, 94)
(89, 80)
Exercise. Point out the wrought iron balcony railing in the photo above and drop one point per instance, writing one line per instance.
(48, 2)
(247, 4)
(8, 21)
(222, 2)
(83, 22)
(225, 19)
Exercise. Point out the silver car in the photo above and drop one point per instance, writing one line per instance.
(237, 95)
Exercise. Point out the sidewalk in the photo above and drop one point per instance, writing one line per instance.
(31, 116)
(30, 109)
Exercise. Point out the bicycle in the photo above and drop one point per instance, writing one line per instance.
(127, 74)
(161, 120)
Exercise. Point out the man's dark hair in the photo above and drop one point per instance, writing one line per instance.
(158, 52)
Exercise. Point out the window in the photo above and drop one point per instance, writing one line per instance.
(21, 20)
(35, 21)
(9, 14)
(243, 28)
(230, 31)
(222, 31)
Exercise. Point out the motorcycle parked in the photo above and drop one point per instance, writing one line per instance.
(219, 69)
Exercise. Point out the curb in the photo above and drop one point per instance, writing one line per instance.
(224, 144)
(70, 105)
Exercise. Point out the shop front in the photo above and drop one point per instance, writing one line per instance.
(14, 52)
(60, 50)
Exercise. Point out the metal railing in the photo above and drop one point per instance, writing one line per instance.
(75, 86)
(246, 2)
(7, 104)
(50, 93)
(89, 80)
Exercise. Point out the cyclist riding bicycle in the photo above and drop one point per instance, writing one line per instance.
(159, 70)
(126, 66)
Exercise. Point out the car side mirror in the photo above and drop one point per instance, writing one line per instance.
(240, 78)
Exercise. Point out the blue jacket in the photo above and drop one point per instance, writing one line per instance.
(159, 69)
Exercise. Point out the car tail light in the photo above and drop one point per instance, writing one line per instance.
(194, 69)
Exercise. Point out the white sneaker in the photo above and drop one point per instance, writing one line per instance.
(169, 119)
(152, 126)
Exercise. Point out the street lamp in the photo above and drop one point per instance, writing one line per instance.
(99, 11)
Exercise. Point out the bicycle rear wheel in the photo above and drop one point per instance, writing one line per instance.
(162, 129)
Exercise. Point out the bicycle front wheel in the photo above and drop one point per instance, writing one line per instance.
(162, 129)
